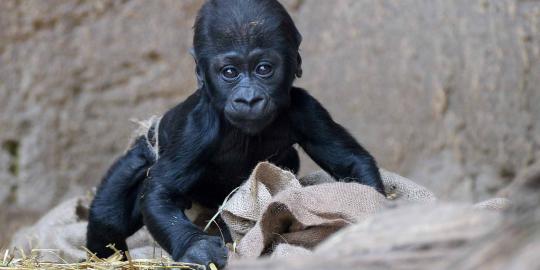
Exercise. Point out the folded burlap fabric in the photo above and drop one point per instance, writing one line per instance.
(275, 213)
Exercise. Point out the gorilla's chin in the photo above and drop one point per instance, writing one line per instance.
(250, 126)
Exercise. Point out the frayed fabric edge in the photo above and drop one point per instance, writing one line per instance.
(144, 129)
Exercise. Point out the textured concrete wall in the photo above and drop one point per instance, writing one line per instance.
(446, 92)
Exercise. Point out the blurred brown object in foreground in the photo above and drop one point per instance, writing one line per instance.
(445, 236)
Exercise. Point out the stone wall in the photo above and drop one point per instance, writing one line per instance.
(445, 92)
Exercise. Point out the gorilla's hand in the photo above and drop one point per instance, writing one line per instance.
(207, 250)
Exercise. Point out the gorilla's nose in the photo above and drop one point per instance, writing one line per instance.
(250, 102)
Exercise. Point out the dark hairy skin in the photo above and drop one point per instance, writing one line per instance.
(245, 111)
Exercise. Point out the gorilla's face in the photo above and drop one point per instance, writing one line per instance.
(251, 86)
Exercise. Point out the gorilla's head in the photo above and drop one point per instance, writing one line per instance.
(247, 59)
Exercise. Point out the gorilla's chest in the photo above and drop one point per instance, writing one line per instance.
(233, 162)
(238, 154)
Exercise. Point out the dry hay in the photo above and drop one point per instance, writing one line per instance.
(33, 261)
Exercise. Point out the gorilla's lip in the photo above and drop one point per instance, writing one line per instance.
(237, 120)
(260, 115)
(251, 117)
(251, 125)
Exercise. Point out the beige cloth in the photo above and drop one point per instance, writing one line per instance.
(441, 235)
(497, 204)
(285, 216)
(62, 232)
(426, 236)
(275, 213)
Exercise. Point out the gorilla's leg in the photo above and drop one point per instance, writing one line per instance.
(115, 212)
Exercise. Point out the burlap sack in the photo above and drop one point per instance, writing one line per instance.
(440, 235)
(61, 234)
(410, 237)
(497, 204)
(272, 212)
(273, 208)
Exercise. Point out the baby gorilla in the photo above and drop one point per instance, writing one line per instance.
(244, 111)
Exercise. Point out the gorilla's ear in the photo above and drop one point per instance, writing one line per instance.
(298, 40)
(198, 71)
(298, 72)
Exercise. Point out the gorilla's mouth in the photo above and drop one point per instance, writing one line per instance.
(251, 123)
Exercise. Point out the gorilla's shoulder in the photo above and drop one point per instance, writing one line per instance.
(174, 119)
(184, 107)
(301, 100)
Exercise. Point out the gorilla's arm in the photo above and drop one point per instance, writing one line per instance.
(329, 144)
(170, 179)
(164, 203)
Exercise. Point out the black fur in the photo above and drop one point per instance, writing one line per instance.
(210, 143)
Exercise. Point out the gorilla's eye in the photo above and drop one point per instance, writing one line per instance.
(229, 72)
(264, 70)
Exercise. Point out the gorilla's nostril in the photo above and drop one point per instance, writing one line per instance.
(255, 100)
(240, 100)
(250, 102)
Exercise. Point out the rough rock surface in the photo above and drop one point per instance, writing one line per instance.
(444, 92)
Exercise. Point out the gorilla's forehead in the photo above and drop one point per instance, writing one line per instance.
(243, 55)
(251, 34)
